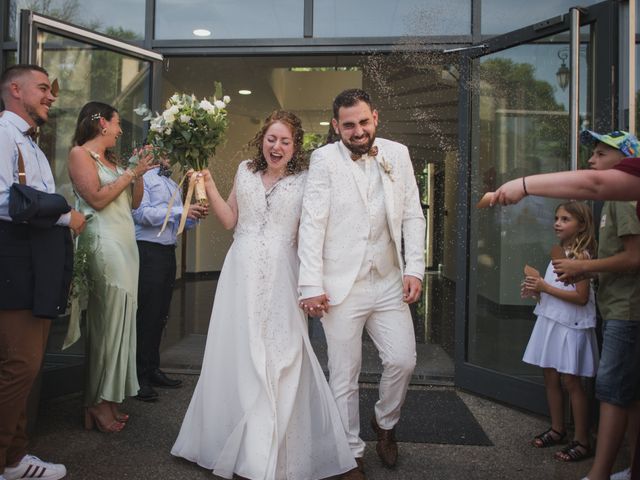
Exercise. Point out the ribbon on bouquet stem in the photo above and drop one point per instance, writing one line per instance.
(193, 177)
(185, 209)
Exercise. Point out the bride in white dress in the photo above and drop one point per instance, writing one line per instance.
(262, 408)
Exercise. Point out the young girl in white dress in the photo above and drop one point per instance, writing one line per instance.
(262, 408)
(563, 340)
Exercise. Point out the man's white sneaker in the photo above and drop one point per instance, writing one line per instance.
(33, 467)
(622, 475)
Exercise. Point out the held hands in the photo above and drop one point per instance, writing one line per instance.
(411, 288)
(315, 306)
(77, 222)
(205, 174)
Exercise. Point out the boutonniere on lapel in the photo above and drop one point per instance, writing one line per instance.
(386, 166)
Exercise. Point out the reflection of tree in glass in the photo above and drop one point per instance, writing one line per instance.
(518, 84)
(107, 81)
(68, 11)
(514, 87)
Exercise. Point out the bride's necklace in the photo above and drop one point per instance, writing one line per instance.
(269, 181)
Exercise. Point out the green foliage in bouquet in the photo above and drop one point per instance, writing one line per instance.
(189, 130)
(81, 282)
(81, 285)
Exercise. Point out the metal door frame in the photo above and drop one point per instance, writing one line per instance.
(603, 97)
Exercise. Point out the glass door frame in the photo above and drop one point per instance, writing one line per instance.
(66, 375)
(31, 22)
(603, 99)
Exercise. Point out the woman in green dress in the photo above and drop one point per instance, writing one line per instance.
(106, 193)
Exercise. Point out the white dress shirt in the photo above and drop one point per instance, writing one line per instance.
(38, 171)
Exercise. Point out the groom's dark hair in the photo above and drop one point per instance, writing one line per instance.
(349, 98)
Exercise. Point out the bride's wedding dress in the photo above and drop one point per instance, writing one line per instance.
(262, 408)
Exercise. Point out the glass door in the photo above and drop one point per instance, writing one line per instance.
(519, 123)
(88, 66)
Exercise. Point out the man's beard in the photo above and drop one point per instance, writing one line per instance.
(39, 121)
(362, 148)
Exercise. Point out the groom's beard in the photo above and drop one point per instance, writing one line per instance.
(360, 148)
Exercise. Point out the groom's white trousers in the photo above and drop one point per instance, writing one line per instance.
(374, 303)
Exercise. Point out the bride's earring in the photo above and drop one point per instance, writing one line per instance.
(104, 131)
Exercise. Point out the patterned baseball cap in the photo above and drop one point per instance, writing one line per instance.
(618, 139)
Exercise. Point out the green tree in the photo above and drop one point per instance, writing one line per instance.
(514, 87)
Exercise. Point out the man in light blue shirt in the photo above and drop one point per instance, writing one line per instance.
(157, 272)
(35, 263)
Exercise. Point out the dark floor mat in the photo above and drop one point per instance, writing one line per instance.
(428, 416)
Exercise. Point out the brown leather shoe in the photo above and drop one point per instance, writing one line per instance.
(387, 447)
(355, 473)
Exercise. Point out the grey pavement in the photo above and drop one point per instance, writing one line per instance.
(141, 451)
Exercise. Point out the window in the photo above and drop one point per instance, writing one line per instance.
(123, 19)
(501, 16)
(225, 19)
(390, 18)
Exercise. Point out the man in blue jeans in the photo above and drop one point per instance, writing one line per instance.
(618, 296)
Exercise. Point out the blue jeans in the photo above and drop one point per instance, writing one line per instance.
(618, 378)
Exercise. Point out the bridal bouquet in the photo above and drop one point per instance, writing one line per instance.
(188, 131)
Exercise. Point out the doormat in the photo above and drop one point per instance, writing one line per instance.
(427, 417)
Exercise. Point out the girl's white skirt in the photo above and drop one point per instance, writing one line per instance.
(567, 350)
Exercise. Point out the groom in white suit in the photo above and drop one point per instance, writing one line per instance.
(361, 212)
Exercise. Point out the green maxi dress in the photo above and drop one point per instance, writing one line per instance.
(112, 303)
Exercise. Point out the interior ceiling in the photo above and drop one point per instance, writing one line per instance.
(417, 103)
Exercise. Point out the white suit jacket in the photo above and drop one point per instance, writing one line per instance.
(334, 227)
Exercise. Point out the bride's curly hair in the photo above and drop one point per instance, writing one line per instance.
(299, 161)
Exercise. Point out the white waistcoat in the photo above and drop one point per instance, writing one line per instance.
(380, 251)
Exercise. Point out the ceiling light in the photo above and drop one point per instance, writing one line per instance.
(324, 124)
(202, 32)
(244, 92)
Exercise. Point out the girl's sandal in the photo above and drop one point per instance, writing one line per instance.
(548, 438)
(574, 452)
